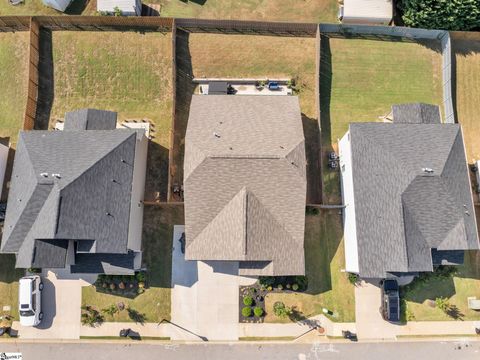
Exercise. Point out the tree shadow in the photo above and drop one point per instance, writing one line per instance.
(156, 182)
(76, 7)
(198, 2)
(45, 81)
(313, 154)
(136, 316)
(455, 313)
(183, 97)
(428, 289)
(8, 272)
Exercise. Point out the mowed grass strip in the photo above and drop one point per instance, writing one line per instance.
(467, 56)
(155, 302)
(359, 82)
(126, 72)
(9, 277)
(328, 286)
(268, 10)
(14, 81)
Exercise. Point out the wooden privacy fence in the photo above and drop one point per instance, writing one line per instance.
(105, 23)
(32, 86)
(247, 27)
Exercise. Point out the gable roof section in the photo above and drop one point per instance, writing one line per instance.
(416, 113)
(70, 185)
(245, 182)
(401, 210)
(90, 119)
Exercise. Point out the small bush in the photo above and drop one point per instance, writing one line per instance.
(246, 312)
(280, 287)
(141, 285)
(295, 287)
(140, 291)
(121, 286)
(110, 310)
(140, 276)
(309, 210)
(112, 286)
(258, 311)
(280, 310)
(443, 304)
(289, 286)
(104, 285)
(247, 301)
(269, 288)
(352, 278)
(302, 282)
(266, 281)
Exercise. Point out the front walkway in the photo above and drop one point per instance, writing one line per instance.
(61, 306)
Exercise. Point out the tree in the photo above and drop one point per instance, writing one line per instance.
(117, 11)
(441, 14)
(281, 310)
(443, 304)
(110, 310)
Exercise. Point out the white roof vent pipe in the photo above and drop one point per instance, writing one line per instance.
(428, 170)
(56, 176)
(44, 174)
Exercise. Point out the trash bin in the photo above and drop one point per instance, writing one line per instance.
(124, 332)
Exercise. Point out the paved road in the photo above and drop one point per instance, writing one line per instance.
(464, 350)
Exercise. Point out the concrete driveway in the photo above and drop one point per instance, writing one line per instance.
(61, 306)
(369, 321)
(204, 296)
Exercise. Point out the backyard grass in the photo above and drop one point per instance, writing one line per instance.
(361, 79)
(328, 287)
(456, 289)
(248, 56)
(9, 277)
(13, 80)
(29, 7)
(467, 56)
(155, 302)
(127, 72)
(270, 10)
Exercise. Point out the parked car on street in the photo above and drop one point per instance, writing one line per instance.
(30, 300)
(390, 300)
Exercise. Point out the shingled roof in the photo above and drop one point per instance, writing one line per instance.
(245, 183)
(412, 195)
(416, 113)
(73, 185)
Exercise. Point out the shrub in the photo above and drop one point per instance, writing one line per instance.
(443, 304)
(110, 310)
(247, 301)
(121, 286)
(289, 286)
(280, 287)
(104, 285)
(117, 11)
(302, 282)
(112, 286)
(141, 285)
(441, 14)
(246, 312)
(280, 310)
(295, 287)
(140, 276)
(266, 281)
(140, 291)
(352, 278)
(269, 288)
(309, 210)
(258, 311)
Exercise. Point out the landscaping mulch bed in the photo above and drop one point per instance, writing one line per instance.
(258, 296)
(126, 286)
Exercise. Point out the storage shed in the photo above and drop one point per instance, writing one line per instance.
(366, 12)
(127, 7)
(60, 5)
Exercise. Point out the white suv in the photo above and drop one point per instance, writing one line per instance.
(30, 300)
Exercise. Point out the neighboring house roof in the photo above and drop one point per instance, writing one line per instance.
(417, 113)
(90, 119)
(367, 11)
(412, 194)
(245, 182)
(72, 185)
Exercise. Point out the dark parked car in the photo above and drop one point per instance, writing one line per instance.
(390, 300)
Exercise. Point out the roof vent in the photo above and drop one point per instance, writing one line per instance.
(44, 174)
(427, 170)
(217, 135)
(57, 176)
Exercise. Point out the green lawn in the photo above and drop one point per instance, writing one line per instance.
(272, 10)
(29, 7)
(130, 73)
(13, 80)
(154, 303)
(9, 283)
(361, 79)
(464, 284)
(328, 287)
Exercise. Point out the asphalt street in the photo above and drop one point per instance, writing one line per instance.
(459, 349)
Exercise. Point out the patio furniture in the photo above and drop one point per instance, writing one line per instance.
(473, 303)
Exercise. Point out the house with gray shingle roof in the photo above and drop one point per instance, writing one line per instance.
(75, 199)
(245, 183)
(407, 195)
